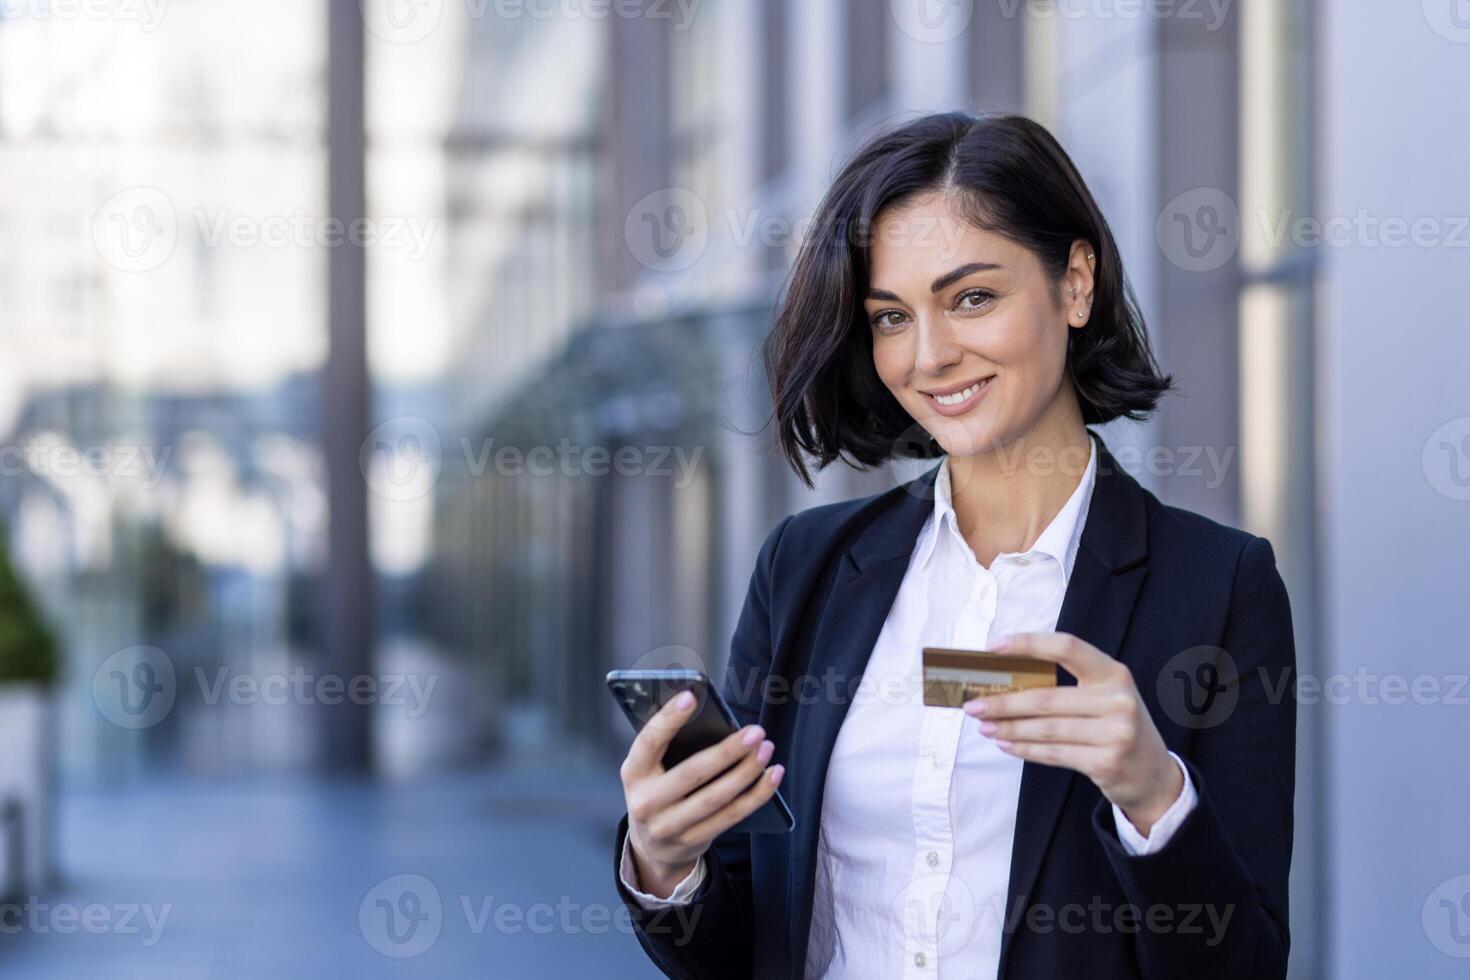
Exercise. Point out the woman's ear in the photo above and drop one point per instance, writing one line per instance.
(1078, 283)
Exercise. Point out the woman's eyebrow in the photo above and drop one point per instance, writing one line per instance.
(954, 275)
(948, 279)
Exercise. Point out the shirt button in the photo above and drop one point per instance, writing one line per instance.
(919, 960)
(934, 760)
(1022, 560)
(933, 859)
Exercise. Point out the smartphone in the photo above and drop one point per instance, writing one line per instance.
(641, 693)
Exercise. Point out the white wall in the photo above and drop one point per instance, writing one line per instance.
(1395, 127)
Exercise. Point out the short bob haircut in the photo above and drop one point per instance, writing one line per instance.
(1009, 176)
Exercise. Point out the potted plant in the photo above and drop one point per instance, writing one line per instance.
(28, 668)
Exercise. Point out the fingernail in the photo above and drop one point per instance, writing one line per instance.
(752, 735)
(1003, 743)
(684, 701)
(776, 773)
(764, 753)
(1001, 643)
(975, 707)
(988, 727)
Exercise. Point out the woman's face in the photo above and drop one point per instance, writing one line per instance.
(969, 332)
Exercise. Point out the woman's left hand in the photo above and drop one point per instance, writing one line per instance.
(1100, 728)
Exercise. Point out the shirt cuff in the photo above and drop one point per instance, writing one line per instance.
(1163, 829)
(683, 893)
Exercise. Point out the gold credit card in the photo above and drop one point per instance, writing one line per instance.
(952, 677)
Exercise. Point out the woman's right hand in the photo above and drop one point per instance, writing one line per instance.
(675, 814)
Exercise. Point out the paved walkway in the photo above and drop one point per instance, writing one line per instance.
(499, 874)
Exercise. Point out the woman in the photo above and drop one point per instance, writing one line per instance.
(960, 295)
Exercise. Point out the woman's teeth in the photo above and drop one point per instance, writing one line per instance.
(959, 396)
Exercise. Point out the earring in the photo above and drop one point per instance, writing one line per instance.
(1090, 256)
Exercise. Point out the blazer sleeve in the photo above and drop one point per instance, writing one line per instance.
(1222, 877)
(712, 937)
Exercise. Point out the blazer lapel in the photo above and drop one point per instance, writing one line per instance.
(1098, 603)
(867, 581)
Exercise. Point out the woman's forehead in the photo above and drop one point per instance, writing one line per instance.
(931, 239)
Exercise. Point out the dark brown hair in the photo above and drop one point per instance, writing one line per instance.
(1011, 177)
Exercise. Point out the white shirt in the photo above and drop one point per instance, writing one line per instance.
(919, 808)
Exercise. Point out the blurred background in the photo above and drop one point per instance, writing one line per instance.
(376, 375)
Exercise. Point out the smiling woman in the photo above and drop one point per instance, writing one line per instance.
(960, 295)
(953, 227)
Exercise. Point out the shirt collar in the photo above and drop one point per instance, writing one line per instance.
(1060, 539)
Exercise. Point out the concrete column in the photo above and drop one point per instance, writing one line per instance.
(348, 606)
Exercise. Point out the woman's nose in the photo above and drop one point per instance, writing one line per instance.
(938, 348)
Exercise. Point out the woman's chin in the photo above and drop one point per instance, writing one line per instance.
(958, 439)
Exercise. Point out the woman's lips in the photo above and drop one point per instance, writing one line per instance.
(960, 402)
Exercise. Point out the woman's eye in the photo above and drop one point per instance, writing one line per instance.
(888, 320)
(974, 299)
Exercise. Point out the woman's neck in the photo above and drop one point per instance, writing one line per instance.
(1005, 497)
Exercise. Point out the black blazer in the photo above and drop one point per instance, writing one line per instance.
(1162, 589)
